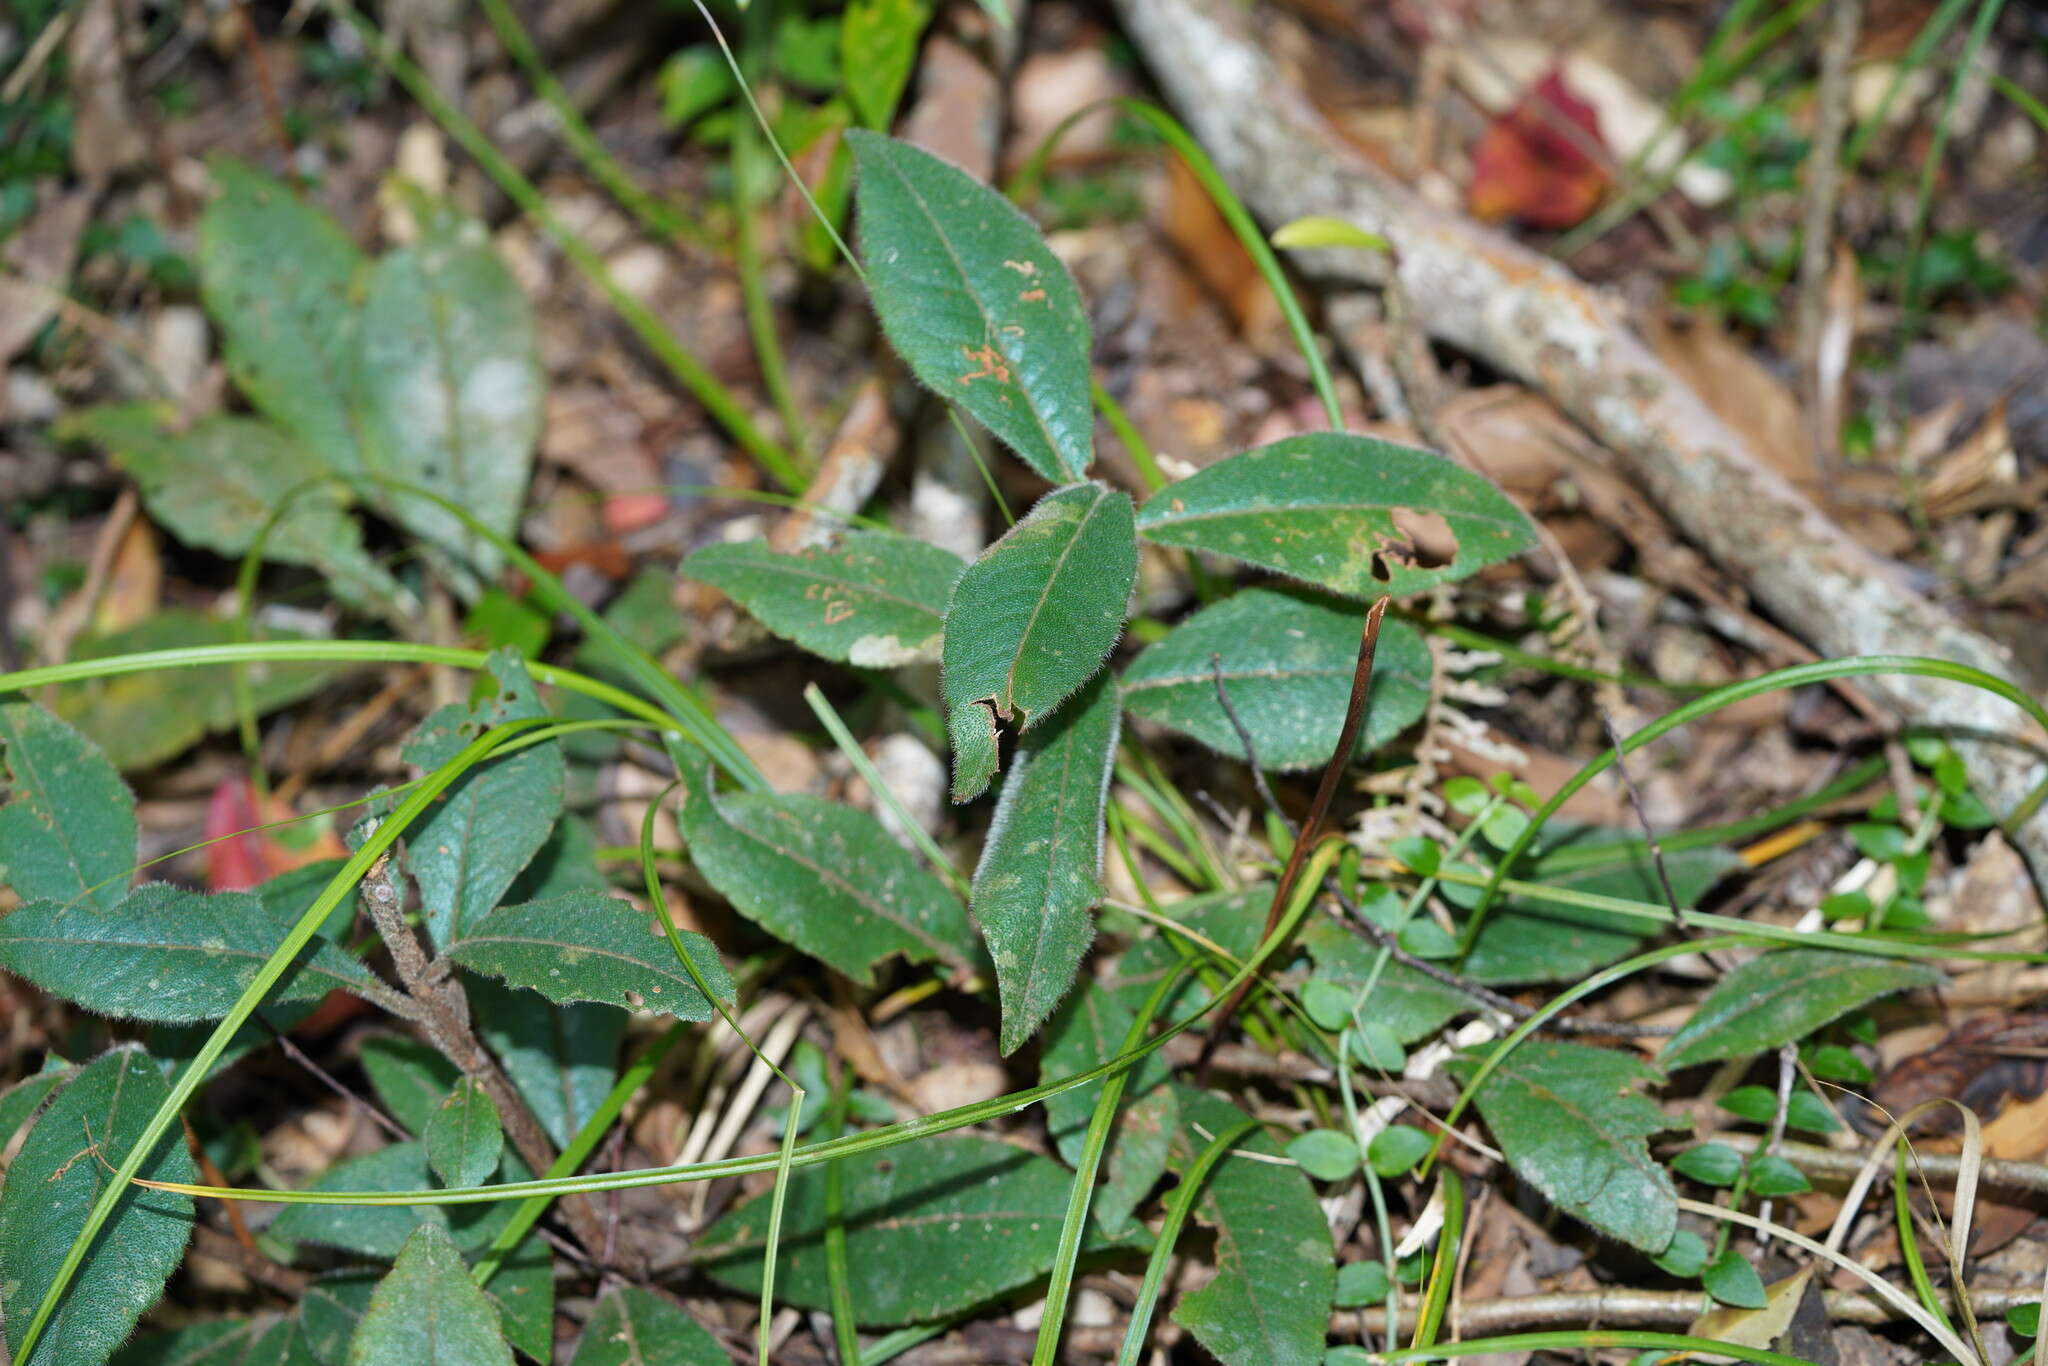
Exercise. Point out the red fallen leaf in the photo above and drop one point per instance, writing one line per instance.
(1528, 167)
(625, 512)
(241, 855)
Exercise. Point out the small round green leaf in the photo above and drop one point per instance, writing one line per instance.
(1712, 1164)
(1396, 1149)
(1730, 1279)
(1324, 1154)
(1360, 1284)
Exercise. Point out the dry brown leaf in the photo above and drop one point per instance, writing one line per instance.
(1745, 395)
(135, 581)
(38, 259)
(105, 138)
(1985, 458)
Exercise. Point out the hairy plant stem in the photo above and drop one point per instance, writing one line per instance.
(444, 1018)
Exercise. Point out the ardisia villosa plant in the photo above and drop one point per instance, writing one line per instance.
(473, 908)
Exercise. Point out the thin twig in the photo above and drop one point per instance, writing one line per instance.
(1251, 753)
(1823, 190)
(1626, 1308)
(1319, 809)
(1996, 1173)
(1635, 800)
(1788, 1071)
(266, 88)
(333, 1083)
(446, 1023)
(222, 1247)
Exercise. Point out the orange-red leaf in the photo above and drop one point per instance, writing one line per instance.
(1532, 164)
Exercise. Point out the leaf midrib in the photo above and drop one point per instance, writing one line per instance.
(939, 948)
(1059, 564)
(990, 332)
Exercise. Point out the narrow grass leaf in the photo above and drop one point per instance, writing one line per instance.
(465, 1138)
(166, 954)
(1038, 876)
(449, 381)
(477, 839)
(52, 1183)
(1572, 1124)
(1525, 940)
(67, 829)
(589, 947)
(1087, 1030)
(1332, 508)
(141, 719)
(635, 1327)
(1287, 661)
(1276, 1271)
(973, 1216)
(1032, 619)
(873, 600)
(378, 1231)
(279, 278)
(823, 877)
(428, 1312)
(976, 303)
(1780, 997)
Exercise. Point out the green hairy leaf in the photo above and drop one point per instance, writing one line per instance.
(464, 1139)
(990, 1212)
(1525, 940)
(466, 852)
(410, 1078)
(822, 876)
(1032, 619)
(1276, 1272)
(428, 1312)
(266, 1340)
(331, 1309)
(877, 49)
(67, 828)
(873, 601)
(216, 486)
(1573, 1125)
(1137, 1159)
(51, 1184)
(976, 303)
(450, 381)
(165, 954)
(1329, 507)
(377, 1231)
(562, 1060)
(1287, 662)
(1038, 875)
(635, 1327)
(279, 278)
(589, 947)
(1780, 997)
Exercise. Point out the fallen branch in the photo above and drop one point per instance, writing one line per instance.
(1525, 315)
(1621, 1308)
